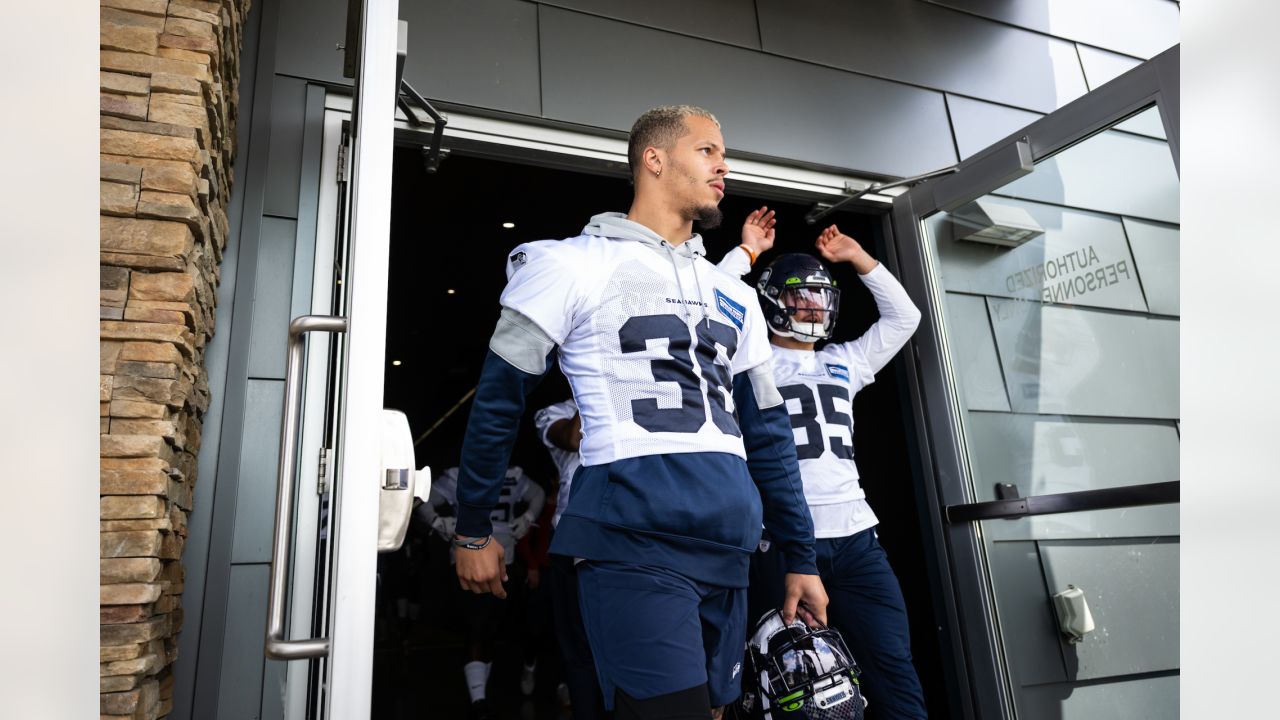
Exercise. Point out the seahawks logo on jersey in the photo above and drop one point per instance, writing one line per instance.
(839, 372)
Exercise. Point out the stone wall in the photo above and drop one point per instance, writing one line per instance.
(170, 70)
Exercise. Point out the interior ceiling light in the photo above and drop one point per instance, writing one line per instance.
(395, 362)
(508, 225)
(451, 291)
(984, 221)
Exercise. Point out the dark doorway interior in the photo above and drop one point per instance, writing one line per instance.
(448, 248)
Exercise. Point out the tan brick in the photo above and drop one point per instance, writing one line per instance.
(125, 507)
(150, 352)
(135, 409)
(112, 171)
(195, 13)
(117, 478)
(129, 570)
(157, 390)
(194, 44)
(141, 262)
(129, 38)
(178, 287)
(146, 128)
(167, 175)
(116, 683)
(124, 84)
(129, 593)
(124, 614)
(189, 28)
(169, 206)
(179, 98)
(108, 355)
(124, 17)
(131, 525)
(155, 332)
(190, 56)
(146, 7)
(113, 285)
(168, 371)
(145, 237)
(145, 665)
(104, 387)
(138, 64)
(130, 544)
(120, 652)
(135, 632)
(137, 144)
(132, 107)
(175, 113)
(176, 84)
(118, 198)
(155, 315)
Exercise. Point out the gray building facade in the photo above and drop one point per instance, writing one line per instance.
(1054, 393)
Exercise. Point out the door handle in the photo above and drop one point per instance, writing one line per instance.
(277, 647)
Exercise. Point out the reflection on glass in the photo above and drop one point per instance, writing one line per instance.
(1061, 317)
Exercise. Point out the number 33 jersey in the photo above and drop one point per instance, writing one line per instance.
(650, 337)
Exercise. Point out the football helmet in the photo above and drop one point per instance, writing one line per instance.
(799, 298)
(797, 672)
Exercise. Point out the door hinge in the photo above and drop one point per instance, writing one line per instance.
(342, 160)
(322, 482)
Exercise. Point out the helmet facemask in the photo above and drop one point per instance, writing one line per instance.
(810, 309)
(804, 672)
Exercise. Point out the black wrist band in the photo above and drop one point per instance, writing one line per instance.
(473, 543)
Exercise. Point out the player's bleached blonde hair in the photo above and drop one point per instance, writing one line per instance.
(660, 127)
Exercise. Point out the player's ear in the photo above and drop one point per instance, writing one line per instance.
(654, 159)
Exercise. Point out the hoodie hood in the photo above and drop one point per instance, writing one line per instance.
(616, 226)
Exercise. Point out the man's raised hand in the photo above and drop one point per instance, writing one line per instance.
(836, 247)
(757, 231)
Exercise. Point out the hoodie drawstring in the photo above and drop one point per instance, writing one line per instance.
(697, 280)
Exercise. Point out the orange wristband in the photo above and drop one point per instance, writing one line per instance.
(750, 254)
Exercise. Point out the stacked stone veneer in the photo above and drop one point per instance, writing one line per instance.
(170, 70)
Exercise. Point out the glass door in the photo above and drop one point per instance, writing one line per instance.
(1047, 387)
(324, 557)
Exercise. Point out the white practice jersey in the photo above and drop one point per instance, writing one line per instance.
(567, 461)
(649, 339)
(819, 388)
(515, 490)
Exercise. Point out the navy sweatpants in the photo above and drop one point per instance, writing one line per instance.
(867, 608)
(579, 668)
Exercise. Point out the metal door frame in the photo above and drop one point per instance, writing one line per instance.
(979, 677)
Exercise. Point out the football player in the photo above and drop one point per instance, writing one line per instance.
(800, 304)
(686, 445)
(484, 613)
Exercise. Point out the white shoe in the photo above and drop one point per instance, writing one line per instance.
(527, 679)
(562, 694)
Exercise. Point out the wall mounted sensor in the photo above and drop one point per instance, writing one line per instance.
(993, 223)
(1074, 618)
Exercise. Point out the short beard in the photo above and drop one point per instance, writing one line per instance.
(708, 217)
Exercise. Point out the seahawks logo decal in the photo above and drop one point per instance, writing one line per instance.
(839, 372)
(518, 260)
(736, 313)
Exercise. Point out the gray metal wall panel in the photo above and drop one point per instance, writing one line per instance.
(475, 52)
(1027, 624)
(1132, 590)
(1100, 68)
(975, 353)
(926, 45)
(605, 73)
(240, 693)
(288, 107)
(310, 31)
(1146, 699)
(1085, 243)
(1156, 256)
(730, 21)
(978, 124)
(195, 554)
(273, 689)
(1142, 28)
(1111, 172)
(272, 298)
(1076, 361)
(259, 462)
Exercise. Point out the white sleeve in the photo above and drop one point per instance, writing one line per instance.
(899, 318)
(755, 348)
(736, 262)
(552, 414)
(543, 285)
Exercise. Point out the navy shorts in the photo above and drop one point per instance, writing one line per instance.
(654, 631)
